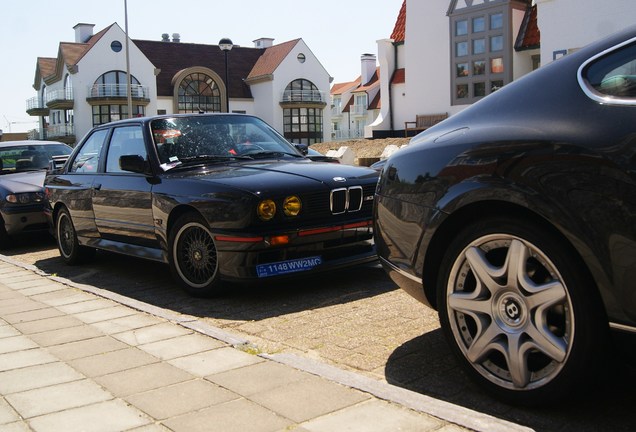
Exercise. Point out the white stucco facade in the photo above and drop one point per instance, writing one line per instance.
(568, 25)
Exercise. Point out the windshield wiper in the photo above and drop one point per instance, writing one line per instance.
(212, 158)
(266, 154)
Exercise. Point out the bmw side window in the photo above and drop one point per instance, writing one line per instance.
(127, 140)
(87, 159)
(614, 74)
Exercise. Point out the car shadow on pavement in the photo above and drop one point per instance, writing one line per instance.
(426, 365)
(152, 283)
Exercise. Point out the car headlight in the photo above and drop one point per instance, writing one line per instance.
(25, 198)
(292, 206)
(266, 209)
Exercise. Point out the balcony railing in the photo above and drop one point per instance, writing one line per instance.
(347, 134)
(303, 96)
(358, 110)
(36, 107)
(59, 95)
(336, 111)
(60, 130)
(117, 91)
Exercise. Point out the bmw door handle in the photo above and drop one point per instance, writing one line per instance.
(97, 186)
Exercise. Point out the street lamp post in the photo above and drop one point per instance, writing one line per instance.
(226, 46)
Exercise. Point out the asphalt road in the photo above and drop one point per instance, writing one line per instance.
(357, 320)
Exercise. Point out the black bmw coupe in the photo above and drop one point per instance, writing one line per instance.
(220, 197)
(516, 220)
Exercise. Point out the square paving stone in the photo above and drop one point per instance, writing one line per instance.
(7, 414)
(127, 323)
(153, 333)
(111, 362)
(307, 399)
(32, 377)
(179, 399)
(374, 416)
(142, 379)
(48, 324)
(214, 361)
(65, 335)
(113, 415)
(181, 346)
(238, 415)
(258, 377)
(16, 343)
(37, 314)
(41, 289)
(21, 359)
(59, 397)
(86, 348)
(90, 304)
(105, 314)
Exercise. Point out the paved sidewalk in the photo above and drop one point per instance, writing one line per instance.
(77, 358)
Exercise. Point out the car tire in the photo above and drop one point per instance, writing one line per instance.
(70, 250)
(520, 311)
(5, 241)
(193, 256)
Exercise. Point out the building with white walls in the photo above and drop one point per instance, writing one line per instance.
(87, 83)
(444, 55)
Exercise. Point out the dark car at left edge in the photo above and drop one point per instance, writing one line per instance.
(219, 197)
(23, 166)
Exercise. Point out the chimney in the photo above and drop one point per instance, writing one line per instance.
(83, 32)
(368, 68)
(165, 37)
(176, 37)
(263, 42)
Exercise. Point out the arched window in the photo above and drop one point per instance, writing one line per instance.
(198, 92)
(109, 93)
(68, 88)
(302, 112)
(113, 84)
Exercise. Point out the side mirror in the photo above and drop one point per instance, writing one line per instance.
(303, 148)
(132, 163)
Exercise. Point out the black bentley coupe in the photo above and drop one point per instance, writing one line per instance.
(516, 220)
(220, 197)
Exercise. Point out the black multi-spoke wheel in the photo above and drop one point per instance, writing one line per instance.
(194, 256)
(70, 250)
(519, 310)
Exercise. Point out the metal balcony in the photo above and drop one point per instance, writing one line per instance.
(358, 110)
(36, 107)
(60, 99)
(104, 92)
(303, 96)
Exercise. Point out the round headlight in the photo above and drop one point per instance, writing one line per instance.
(266, 209)
(292, 206)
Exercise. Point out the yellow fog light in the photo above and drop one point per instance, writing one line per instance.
(292, 206)
(266, 209)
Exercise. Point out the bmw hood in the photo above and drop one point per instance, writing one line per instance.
(30, 181)
(274, 176)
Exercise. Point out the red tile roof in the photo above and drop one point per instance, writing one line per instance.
(271, 59)
(340, 88)
(399, 30)
(529, 36)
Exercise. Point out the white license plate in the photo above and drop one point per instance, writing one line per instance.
(289, 266)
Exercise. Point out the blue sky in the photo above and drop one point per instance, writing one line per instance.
(336, 31)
